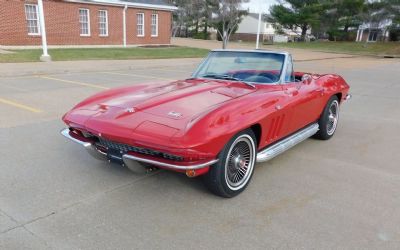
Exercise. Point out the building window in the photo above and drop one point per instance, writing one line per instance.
(140, 24)
(103, 23)
(373, 36)
(84, 22)
(154, 25)
(32, 19)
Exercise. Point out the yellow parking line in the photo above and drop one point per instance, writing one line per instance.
(165, 69)
(74, 82)
(142, 76)
(19, 105)
(176, 70)
(12, 87)
(18, 77)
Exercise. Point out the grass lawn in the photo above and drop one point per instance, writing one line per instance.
(387, 48)
(33, 55)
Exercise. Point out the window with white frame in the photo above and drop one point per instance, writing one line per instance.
(84, 21)
(32, 19)
(140, 24)
(103, 23)
(154, 25)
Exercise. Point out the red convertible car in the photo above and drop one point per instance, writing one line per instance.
(238, 108)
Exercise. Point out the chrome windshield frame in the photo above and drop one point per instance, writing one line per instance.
(283, 71)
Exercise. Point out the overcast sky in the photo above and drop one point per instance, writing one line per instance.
(254, 5)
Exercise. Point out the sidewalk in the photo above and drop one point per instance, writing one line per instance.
(298, 54)
(2, 51)
(39, 68)
(59, 67)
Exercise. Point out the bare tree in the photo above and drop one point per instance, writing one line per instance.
(226, 18)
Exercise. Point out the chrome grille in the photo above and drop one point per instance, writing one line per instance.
(123, 149)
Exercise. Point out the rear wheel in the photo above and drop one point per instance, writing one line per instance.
(329, 119)
(231, 175)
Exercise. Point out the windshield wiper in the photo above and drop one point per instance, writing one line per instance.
(228, 77)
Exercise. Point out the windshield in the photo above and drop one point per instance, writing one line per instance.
(254, 67)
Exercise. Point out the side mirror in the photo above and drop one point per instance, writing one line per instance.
(305, 78)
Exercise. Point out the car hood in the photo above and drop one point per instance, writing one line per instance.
(177, 100)
(164, 109)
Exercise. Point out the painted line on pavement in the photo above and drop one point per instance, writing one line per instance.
(164, 69)
(18, 77)
(20, 106)
(74, 82)
(136, 75)
(12, 87)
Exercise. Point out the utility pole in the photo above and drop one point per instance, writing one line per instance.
(45, 56)
(259, 25)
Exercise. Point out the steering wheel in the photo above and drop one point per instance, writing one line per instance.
(263, 78)
(271, 76)
(259, 79)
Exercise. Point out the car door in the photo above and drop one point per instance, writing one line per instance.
(302, 98)
(277, 123)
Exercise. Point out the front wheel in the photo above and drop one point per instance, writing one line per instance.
(231, 175)
(329, 119)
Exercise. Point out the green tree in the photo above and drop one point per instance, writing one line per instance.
(348, 12)
(295, 14)
(341, 15)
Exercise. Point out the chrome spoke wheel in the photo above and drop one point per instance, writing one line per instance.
(240, 162)
(333, 117)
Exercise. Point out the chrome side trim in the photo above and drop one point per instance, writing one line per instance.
(90, 148)
(280, 147)
(127, 158)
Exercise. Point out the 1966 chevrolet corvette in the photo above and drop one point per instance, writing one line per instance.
(238, 108)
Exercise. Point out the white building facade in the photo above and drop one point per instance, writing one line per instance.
(247, 31)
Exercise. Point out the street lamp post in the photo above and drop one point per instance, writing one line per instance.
(45, 56)
(259, 25)
(258, 31)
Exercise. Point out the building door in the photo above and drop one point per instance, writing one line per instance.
(373, 36)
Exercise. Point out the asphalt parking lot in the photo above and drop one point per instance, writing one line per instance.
(337, 194)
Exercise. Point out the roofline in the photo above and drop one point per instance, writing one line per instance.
(252, 50)
(120, 3)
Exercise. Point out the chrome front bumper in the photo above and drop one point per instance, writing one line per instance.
(348, 97)
(129, 160)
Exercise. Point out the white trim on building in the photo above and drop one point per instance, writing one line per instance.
(84, 22)
(32, 19)
(140, 28)
(154, 25)
(103, 23)
(375, 28)
(121, 3)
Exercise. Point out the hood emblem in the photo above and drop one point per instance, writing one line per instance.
(131, 110)
(175, 114)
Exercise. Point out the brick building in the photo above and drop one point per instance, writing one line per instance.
(86, 22)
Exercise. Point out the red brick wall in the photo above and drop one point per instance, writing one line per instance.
(62, 25)
(164, 27)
